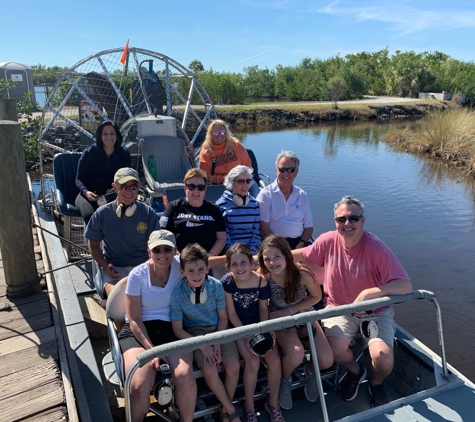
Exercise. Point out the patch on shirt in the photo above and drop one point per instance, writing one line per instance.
(142, 227)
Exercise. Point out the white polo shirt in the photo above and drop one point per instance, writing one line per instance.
(289, 217)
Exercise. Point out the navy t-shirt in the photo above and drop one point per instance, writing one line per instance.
(246, 301)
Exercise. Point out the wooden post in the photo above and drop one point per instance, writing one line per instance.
(16, 238)
(8, 110)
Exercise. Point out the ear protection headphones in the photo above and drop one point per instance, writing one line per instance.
(127, 210)
(163, 390)
(240, 200)
(368, 326)
(199, 295)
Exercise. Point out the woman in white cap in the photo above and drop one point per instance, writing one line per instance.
(148, 307)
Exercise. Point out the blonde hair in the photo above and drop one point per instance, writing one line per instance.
(230, 139)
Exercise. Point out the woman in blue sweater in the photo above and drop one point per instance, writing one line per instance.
(97, 166)
(240, 209)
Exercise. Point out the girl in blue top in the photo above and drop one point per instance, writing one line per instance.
(247, 295)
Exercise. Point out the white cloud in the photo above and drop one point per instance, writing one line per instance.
(405, 19)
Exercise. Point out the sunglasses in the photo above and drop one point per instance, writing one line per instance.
(351, 219)
(129, 187)
(242, 181)
(219, 132)
(192, 186)
(287, 169)
(164, 249)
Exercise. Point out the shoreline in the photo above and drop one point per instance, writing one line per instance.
(288, 114)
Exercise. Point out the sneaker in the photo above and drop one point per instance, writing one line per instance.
(348, 389)
(274, 412)
(311, 388)
(378, 395)
(285, 394)
(250, 416)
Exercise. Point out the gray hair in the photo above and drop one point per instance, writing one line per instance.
(235, 172)
(349, 200)
(288, 154)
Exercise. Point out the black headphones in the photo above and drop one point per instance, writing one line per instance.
(240, 200)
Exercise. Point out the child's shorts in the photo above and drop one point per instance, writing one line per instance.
(228, 350)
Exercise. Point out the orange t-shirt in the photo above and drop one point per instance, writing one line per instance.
(225, 161)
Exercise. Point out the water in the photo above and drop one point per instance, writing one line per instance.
(422, 211)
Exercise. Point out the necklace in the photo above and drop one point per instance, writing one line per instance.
(159, 279)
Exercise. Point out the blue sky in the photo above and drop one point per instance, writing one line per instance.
(228, 35)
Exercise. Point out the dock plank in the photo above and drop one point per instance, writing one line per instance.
(28, 357)
(16, 344)
(18, 326)
(58, 414)
(13, 385)
(32, 401)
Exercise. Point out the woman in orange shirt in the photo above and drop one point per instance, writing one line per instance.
(222, 148)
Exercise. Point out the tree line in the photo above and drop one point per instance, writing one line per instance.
(403, 74)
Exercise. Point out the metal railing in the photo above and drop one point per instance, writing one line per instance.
(233, 334)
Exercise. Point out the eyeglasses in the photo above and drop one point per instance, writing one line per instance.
(219, 132)
(129, 187)
(164, 249)
(242, 181)
(351, 219)
(192, 186)
(287, 169)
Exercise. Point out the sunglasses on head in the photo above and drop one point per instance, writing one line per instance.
(351, 219)
(219, 132)
(242, 181)
(192, 186)
(287, 169)
(129, 187)
(163, 249)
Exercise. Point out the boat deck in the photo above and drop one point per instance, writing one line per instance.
(31, 386)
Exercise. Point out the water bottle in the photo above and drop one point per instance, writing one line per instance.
(151, 166)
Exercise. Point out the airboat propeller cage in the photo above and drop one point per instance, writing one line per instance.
(261, 344)
(100, 88)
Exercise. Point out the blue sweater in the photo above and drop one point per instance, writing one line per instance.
(242, 222)
(96, 169)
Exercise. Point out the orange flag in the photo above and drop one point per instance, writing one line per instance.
(123, 59)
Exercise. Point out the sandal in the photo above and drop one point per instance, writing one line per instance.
(229, 417)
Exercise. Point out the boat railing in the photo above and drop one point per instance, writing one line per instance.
(232, 334)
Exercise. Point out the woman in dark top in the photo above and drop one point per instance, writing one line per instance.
(97, 166)
(192, 219)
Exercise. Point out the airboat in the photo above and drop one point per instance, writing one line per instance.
(163, 111)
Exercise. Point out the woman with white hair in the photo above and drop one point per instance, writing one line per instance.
(240, 209)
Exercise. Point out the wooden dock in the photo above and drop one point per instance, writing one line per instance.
(31, 382)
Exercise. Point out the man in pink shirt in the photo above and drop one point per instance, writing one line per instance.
(357, 266)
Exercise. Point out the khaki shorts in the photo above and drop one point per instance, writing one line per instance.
(228, 350)
(348, 326)
(124, 272)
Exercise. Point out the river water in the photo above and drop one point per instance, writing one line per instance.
(421, 210)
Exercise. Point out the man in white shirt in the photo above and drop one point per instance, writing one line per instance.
(284, 207)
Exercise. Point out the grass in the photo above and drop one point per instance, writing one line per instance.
(448, 135)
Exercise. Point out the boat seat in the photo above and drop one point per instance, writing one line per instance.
(171, 162)
(258, 177)
(64, 173)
